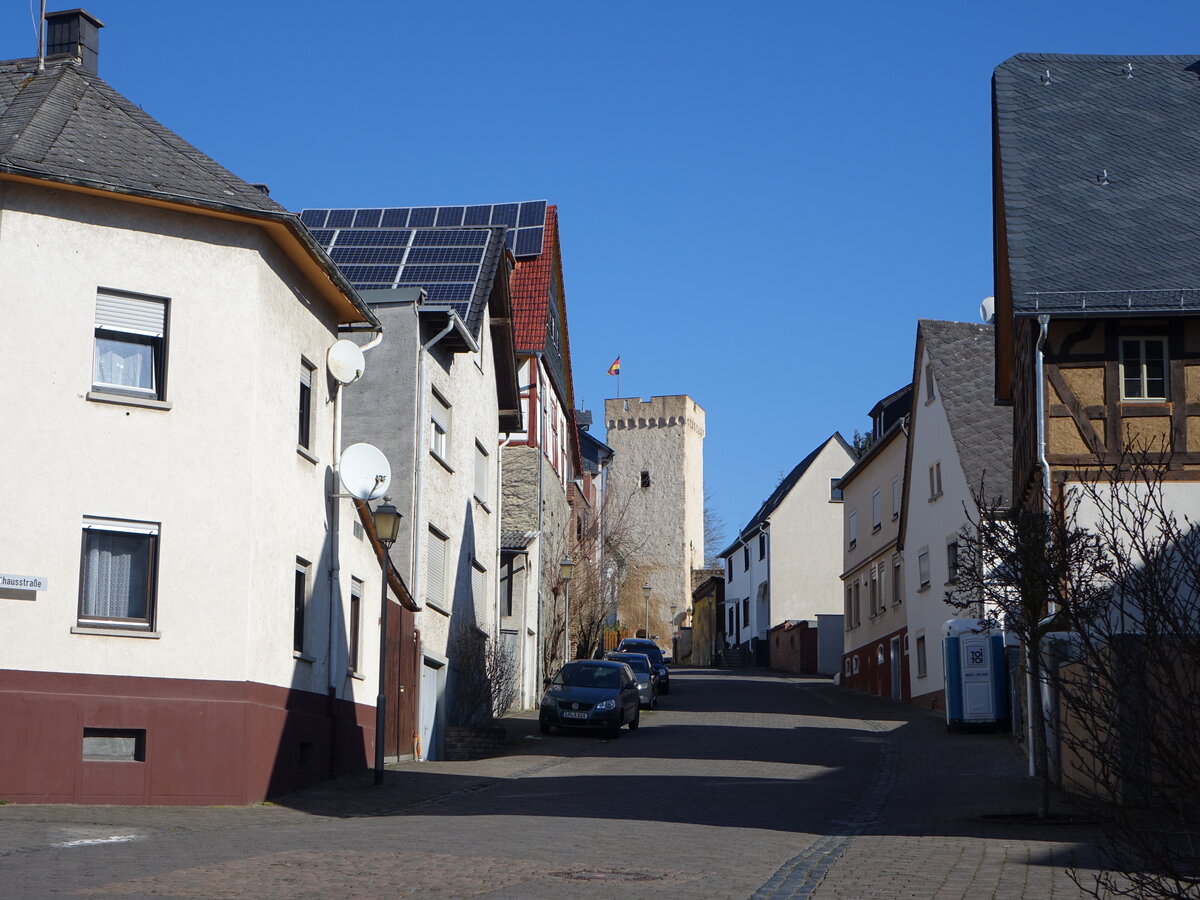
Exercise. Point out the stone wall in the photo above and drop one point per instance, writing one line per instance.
(463, 744)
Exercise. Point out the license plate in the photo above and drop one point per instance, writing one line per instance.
(573, 714)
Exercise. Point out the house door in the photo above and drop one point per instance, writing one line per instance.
(429, 703)
(896, 692)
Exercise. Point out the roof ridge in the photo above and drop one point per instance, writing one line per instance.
(48, 119)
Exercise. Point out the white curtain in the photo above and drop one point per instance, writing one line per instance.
(115, 575)
(124, 363)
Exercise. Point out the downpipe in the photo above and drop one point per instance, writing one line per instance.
(1040, 395)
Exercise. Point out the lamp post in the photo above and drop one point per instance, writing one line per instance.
(674, 606)
(387, 528)
(565, 568)
(646, 608)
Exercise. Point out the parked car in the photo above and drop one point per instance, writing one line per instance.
(644, 672)
(591, 693)
(647, 646)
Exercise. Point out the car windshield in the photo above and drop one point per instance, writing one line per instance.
(651, 650)
(636, 663)
(589, 676)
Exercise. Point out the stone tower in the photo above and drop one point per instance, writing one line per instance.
(655, 496)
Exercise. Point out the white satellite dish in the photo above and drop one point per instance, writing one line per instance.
(346, 362)
(365, 471)
(987, 310)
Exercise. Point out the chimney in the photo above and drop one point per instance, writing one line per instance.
(74, 33)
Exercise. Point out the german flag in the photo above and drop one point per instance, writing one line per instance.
(615, 368)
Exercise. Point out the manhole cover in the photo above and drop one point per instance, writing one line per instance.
(609, 875)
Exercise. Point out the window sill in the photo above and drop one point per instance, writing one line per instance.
(307, 454)
(935, 497)
(123, 400)
(429, 603)
(445, 465)
(895, 516)
(875, 528)
(922, 674)
(483, 505)
(357, 676)
(923, 588)
(852, 545)
(303, 657)
(115, 632)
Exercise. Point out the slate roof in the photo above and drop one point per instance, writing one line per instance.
(781, 491)
(514, 539)
(963, 361)
(1101, 177)
(69, 124)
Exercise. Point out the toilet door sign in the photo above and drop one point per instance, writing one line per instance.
(24, 582)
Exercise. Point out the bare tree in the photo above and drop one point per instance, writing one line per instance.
(714, 532)
(1130, 682)
(484, 678)
(1016, 565)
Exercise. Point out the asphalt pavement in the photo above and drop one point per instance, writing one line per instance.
(741, 784)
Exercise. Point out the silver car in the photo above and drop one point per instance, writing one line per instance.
(644, 671)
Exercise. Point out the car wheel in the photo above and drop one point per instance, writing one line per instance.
(544, 727)
(637, 720)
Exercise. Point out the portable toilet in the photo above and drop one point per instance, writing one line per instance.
(976, 676)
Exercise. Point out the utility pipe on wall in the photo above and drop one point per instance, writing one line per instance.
(1040, 396)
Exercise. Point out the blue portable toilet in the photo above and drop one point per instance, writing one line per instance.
(976, 676)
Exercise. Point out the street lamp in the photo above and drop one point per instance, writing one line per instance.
(646, 608)
(565, 568)
(674, 606)
(387, 527)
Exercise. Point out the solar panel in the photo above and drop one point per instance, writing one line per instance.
(433, 247)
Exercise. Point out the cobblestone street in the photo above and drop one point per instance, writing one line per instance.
(740, 785)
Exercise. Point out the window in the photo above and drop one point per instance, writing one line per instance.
(117, 588)
(896, 595)
(921, 670)
(929, 383)
(745, 612)
(855, 667)
(952, 561)
(745, 557)
(731, 622)
(130, 346)
(439, 427)
(645, 478)
(852, 528)
(481, 472)
(435, 569)
(857, 602)
(874, 605)
(935, 480)
(356, 592)
(114, 744)
(895, 498)
(762, 545)
(304, 434)
(923, 567)
(835, 489)
(299, 605)
(876, 511)
(849, 616)
(478, 585)
(847, 667)
(1144, 368)
(729, 568)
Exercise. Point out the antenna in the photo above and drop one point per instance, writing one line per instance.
(42, 39)
(365, 471)
(345, 361)
(987, 310)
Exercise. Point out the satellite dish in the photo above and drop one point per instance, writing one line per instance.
(365, 471)
(987, 310)
(345, 361)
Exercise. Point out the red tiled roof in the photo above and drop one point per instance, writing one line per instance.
(530, 288)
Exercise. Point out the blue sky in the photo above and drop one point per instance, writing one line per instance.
(756, 201)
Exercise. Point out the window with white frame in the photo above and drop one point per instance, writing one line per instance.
(928, 382)
(852, 528)
(439, 427)
(835, 489)
(896, 497)
(923, 567)
(951, 560)
(119, 574)
(935, 480)
(129, 353)
(356, 594)
(876, 511)
(304, 431)
(300, 604)
(482, 460)
(921, 662)
(435, 569)
(1143, 368)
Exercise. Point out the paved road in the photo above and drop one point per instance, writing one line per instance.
(741, 785)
